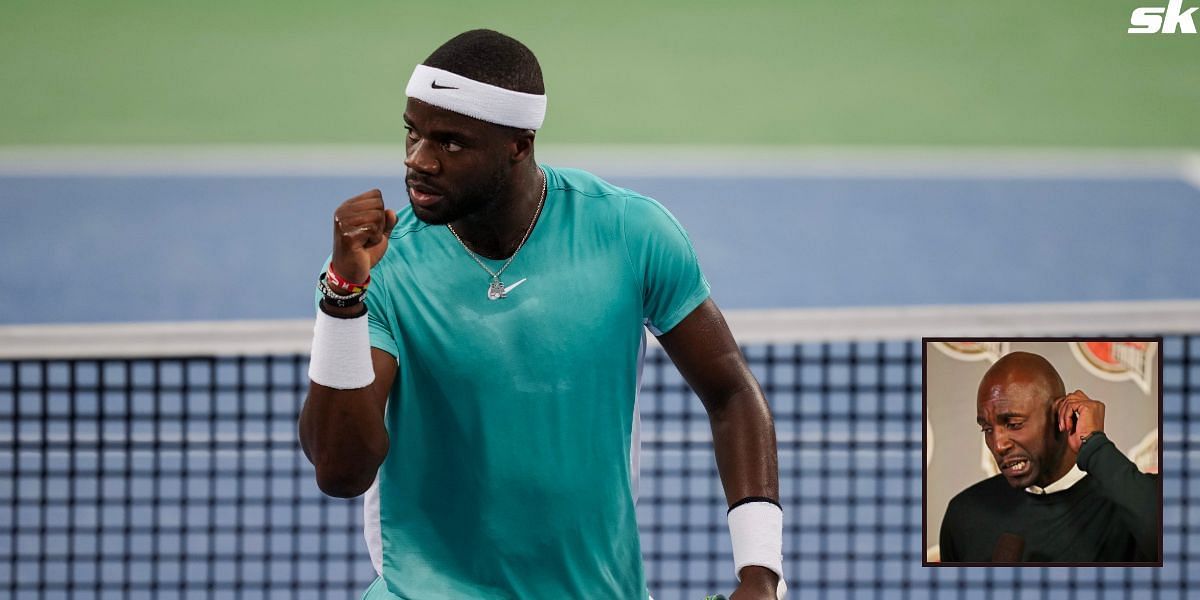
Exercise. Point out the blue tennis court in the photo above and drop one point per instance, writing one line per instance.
(103, 249)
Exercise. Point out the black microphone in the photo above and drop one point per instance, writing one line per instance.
(1009, 548)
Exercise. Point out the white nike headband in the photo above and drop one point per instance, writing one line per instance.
(482, 101)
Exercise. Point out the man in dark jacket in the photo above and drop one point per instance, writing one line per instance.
(1065, 493)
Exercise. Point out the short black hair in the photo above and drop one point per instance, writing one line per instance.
(490, 57)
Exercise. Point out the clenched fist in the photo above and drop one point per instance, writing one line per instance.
(361, 226)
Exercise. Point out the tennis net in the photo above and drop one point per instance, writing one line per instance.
(161, 461)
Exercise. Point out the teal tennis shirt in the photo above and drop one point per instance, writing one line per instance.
(512, 470)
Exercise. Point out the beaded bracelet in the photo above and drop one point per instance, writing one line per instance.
(339, 300)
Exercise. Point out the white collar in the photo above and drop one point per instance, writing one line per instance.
(1066, 481)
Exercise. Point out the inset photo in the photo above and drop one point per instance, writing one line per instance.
(1042, 451)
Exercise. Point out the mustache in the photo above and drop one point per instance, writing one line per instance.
(423, 186)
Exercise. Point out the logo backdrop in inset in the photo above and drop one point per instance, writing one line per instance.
(1119, 361)
(973, 351)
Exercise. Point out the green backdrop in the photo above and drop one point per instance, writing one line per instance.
(1020, 73)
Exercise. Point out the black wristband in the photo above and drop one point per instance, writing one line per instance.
(749, 499)
(325, 309)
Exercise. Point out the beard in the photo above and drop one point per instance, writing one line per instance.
(471, 199)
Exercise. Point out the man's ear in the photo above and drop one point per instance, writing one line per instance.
(522, 145)
(1053, 422)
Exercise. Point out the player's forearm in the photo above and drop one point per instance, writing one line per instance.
(342, 428)
(344, 437)
(744, 442)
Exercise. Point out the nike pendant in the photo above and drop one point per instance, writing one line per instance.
(497, 289)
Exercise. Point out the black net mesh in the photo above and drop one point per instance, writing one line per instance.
(182, 478)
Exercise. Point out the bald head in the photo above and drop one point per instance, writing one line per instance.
(1026, 370)
(1015, 409)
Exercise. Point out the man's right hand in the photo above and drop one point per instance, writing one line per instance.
(1080, 417)
(361, 227)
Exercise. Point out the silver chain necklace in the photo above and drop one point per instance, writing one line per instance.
(496, 289)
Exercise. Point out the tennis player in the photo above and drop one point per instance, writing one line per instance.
(477, 355)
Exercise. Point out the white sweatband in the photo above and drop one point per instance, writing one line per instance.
(476, 99)
(756, 529)
(341, 353)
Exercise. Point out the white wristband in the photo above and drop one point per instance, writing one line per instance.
(341, 353)
(756, 529)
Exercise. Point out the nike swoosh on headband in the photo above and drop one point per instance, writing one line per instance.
(435, 86)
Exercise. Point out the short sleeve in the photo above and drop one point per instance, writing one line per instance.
(665, 262)
(381, 332)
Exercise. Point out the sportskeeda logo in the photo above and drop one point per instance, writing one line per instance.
(1154, 19)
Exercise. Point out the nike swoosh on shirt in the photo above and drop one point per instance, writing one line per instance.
(509, 288)
(434, 85)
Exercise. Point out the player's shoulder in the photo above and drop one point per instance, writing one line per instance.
(585, 185)
(408, 227)
(579, 182)
(406, 235)
(407, 224)
(598, 195)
